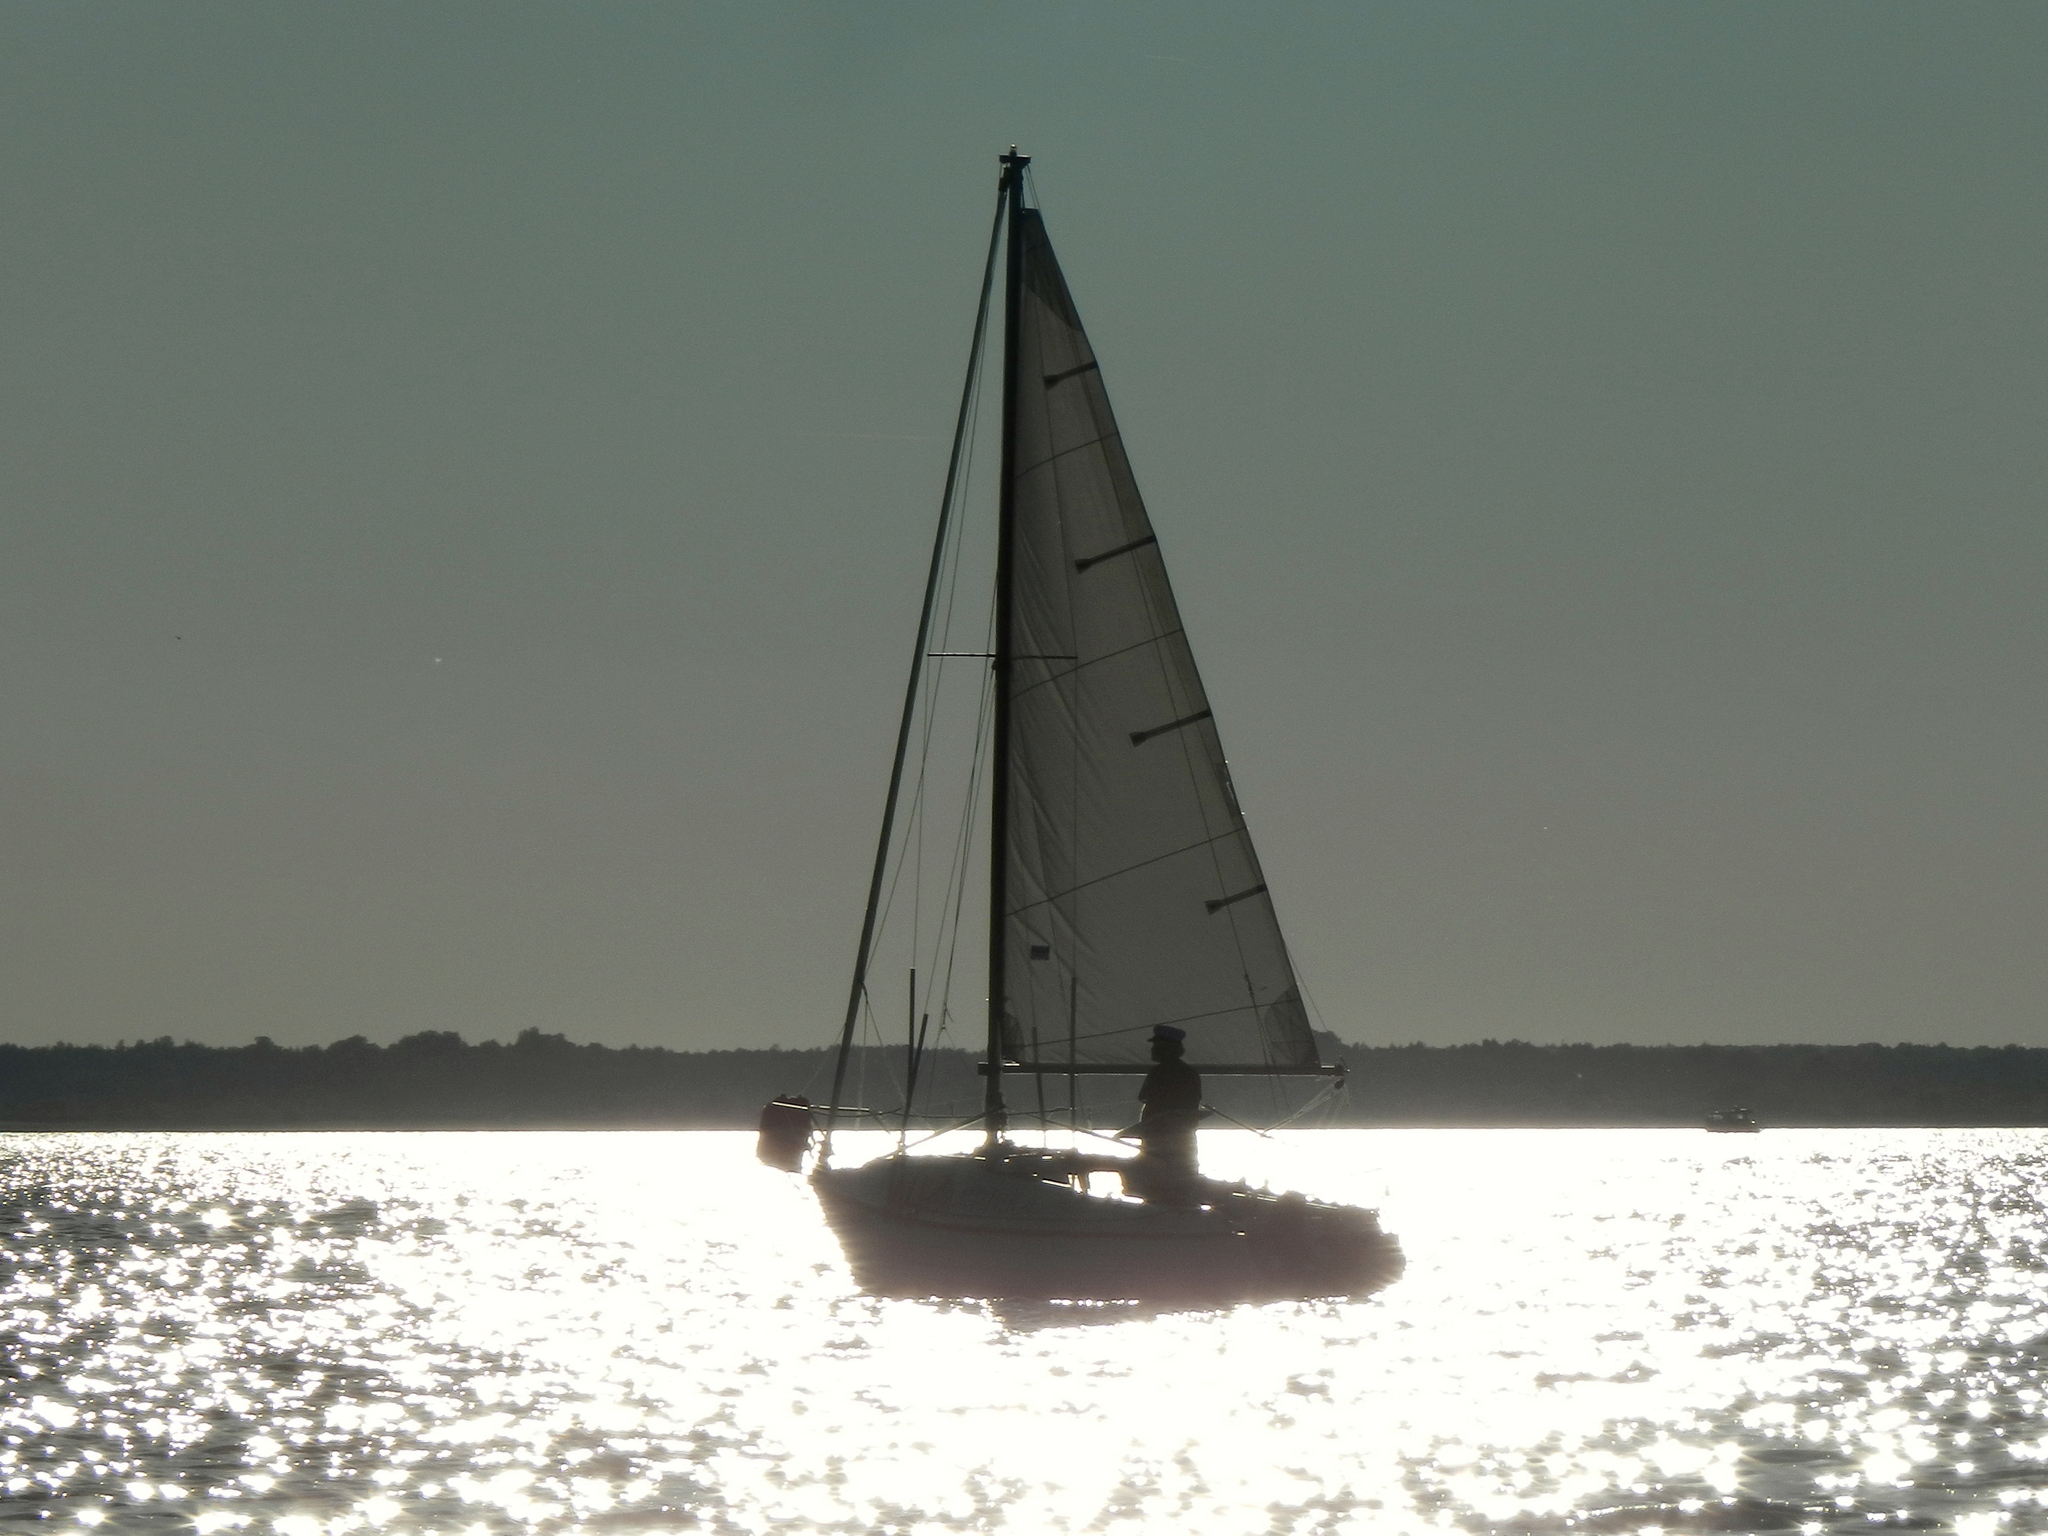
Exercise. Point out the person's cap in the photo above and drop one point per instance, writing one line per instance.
(1168, 1032)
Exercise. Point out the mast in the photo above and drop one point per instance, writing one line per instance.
(993, 1116)
(865, 951)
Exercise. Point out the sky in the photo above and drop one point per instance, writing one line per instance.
(466, 472)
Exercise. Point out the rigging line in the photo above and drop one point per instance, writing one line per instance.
(1275, 1096)
(909, 860)
(1327, 1094)
(1314, 1015)
(924, 623)
(958, 555)
(942, 935)
(875, 1043)
(966, 479)
(860, 1076)
(913, 843)
(964, 848)
(920, 797)
(1220, 1115)
(1116, 873)
(933, 684)
(870, 1040)
(1310, 1013)
(939, 937)
(915, 819)
(970, 810)
(916, 1062)
(1114, 1141)
(1311, 1007)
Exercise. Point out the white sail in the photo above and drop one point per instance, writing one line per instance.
(1133, 895)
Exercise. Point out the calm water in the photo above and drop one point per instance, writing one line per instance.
(1605, 1331)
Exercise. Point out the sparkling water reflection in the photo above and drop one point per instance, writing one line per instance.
(1598, 1331)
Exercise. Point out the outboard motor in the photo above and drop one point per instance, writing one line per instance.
(785, 1135)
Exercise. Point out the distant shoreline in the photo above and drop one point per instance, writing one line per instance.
(545, 1082)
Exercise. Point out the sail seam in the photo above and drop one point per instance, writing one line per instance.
(1114, 873)
(1252, 1007)
(1135, 645)
(1053, 458)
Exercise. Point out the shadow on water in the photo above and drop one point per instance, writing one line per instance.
(1041, 1316)
(1025, 1317)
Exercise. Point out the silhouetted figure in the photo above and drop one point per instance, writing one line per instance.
(1170, 1107)
(785, 1132)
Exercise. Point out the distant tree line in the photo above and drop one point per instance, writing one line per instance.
(540, 1080)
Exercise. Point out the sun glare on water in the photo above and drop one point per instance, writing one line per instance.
(1625, 1332)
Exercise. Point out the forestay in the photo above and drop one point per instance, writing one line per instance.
(1133, 896)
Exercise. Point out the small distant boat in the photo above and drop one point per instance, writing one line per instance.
(1125, 895)
(1737, 1120)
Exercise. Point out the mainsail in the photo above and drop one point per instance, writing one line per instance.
(1131, 895)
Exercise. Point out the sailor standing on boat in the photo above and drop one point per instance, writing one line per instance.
(1170, 1107)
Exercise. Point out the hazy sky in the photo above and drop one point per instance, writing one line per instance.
(466, 471)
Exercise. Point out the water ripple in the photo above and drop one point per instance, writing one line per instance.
(480, 1334)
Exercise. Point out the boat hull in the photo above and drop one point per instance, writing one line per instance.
(972, 1226)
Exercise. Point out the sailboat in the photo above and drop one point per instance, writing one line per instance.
(1125, 894)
